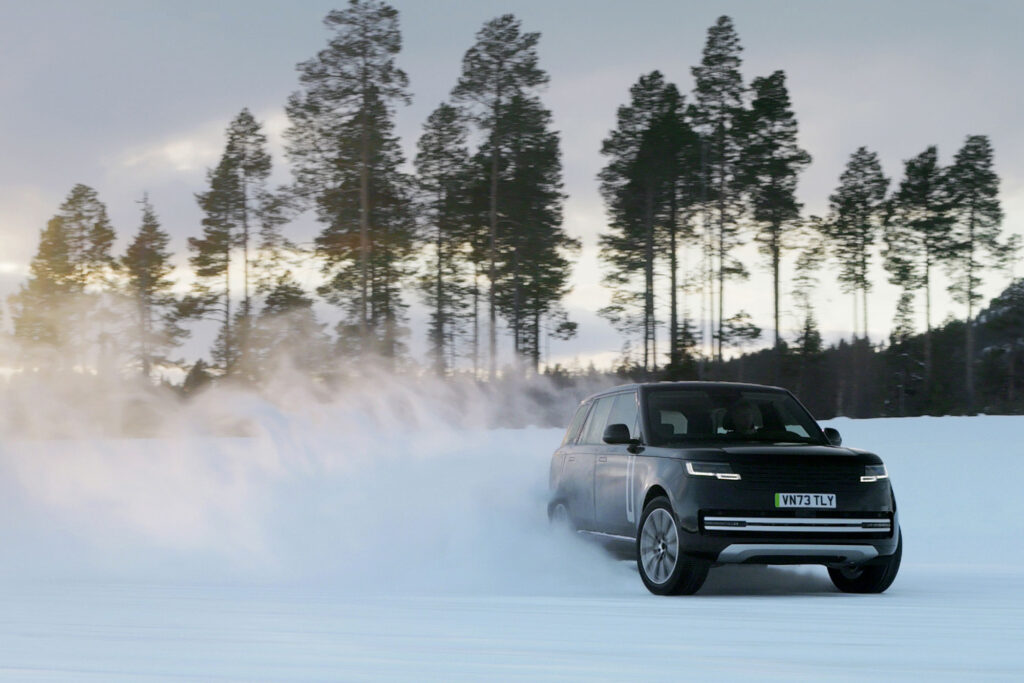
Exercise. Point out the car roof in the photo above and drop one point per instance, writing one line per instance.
(682, 385)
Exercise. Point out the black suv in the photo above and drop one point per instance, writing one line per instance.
(693, 474)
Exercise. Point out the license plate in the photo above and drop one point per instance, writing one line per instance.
(805, 500)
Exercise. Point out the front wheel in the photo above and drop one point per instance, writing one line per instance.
(663, 567)
(872, 578)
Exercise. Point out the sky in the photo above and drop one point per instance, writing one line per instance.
(134, 97)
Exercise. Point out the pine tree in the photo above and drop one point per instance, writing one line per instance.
(857, 212)
(346, 160)
(903, 321)
(211, 262)
(500, 66)
(287, 331)
(442, 167)
(917, 234)
(718, 95)
(974, 243)
(808, 343)
(638, 184)
(240, 212)
(533, 248)
(772, 161)
(64, 305)
(676, 149)
(38, 309)
(147, 269)
(89, 235)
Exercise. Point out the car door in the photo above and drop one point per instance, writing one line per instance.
(614, 504)
(579, 465)
(560, 480)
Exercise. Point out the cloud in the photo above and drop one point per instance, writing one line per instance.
(184, 153)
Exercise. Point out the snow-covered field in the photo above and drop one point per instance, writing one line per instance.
(346, 546)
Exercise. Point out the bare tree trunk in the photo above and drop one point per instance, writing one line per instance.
(536, 340)
(969, 351)
(856, 319)
(476, 321)
(776, 265)
(864, 312)
(439, 303)
(492, 248)
(927, 330)
(227, 315)
(673, 326)
(721, 284)
(517, 338)
(649, 360)
(364, 228)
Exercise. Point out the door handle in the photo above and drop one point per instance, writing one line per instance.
(603, 458)
(572, 458)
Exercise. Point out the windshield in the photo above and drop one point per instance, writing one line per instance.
(728, 415)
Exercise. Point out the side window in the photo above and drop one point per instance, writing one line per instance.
(577, 422)
(624, 411)
(594, 429)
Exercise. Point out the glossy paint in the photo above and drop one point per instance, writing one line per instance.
(605, 487)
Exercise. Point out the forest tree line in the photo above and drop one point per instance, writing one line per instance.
(473, 228)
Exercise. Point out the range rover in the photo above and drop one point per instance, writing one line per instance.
(688, 475)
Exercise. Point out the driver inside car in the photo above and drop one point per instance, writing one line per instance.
(743, 415)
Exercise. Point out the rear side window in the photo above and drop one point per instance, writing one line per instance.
(594, 429)
(577, 422)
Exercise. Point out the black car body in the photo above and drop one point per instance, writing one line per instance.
(693, 474)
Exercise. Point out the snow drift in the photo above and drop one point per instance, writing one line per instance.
(385, 489)
(382, 488)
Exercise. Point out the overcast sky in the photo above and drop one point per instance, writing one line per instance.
(130, 97)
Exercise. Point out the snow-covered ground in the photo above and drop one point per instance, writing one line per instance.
(346, 546)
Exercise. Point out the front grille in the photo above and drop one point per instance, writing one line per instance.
(799, 477)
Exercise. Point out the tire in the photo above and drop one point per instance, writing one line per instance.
(871, 578)
(664, 569)
(559, 518)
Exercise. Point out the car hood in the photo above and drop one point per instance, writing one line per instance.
(767, 453)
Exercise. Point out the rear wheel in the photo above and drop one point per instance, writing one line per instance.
(871, 578)
(663, 567)
(559, 518)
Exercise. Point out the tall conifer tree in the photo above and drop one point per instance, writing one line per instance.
(533, 249)
(974, 241)
(442, 166)
(211, 295)
(346, 160)
(500, 66)
(857, 212)
(148, 285)
(718, 94)
(917, 234)
(64, 302)
(639, 184)
(240, 213)
(772, 163)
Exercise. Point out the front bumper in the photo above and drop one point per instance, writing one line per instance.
(727, 522)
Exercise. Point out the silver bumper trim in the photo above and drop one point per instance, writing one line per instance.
(798, 524)
(741, 552)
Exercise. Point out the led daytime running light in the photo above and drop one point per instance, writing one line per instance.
(730, 476)
(873, 473)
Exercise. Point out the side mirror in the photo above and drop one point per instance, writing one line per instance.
(616, 434)
(833, 436)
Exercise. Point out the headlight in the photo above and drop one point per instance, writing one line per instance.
(719, 470)
(874, 473)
